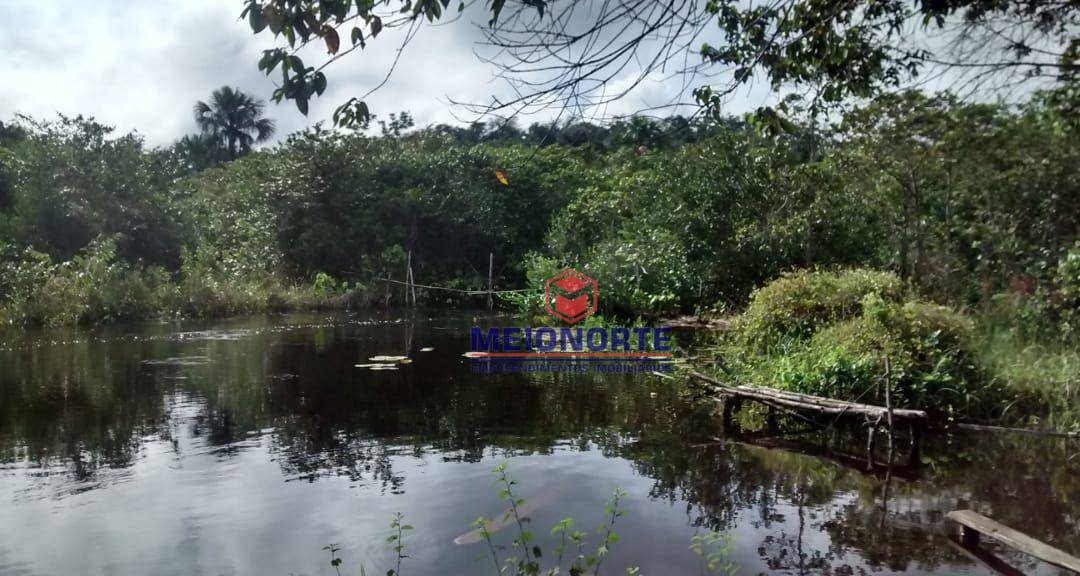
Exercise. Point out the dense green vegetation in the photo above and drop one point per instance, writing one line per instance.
(970, 206)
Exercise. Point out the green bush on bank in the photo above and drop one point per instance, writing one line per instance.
(795, 305)
(97, 286)
(828, 333)
(93, 286)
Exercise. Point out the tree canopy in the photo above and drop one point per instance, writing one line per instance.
(233, 121)
(568, 54)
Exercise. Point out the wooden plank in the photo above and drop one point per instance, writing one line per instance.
(806, 401)
(984, 558)
(1014, 539)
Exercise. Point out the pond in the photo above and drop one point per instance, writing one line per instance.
(244, 446)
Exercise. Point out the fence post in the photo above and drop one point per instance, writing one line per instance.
(491, 268)
(412, 286)
(408, 267)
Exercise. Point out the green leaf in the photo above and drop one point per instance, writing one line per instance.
(376, 26)
(256, 18)
(296, 64)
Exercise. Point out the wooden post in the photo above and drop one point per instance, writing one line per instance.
(915, 444)
(412, 286)
(870, 441)
(491, 272)
(405, 293)
(888, 407)
(969, 536)
(731, 404)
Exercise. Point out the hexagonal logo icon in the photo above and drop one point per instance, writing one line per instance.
(570, 296)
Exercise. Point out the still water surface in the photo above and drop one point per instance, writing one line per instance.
(244, 446)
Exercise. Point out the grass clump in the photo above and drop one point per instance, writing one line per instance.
(1041, 374)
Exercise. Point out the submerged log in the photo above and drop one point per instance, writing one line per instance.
(807, 402)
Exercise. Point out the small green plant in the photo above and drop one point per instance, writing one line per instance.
(335, 561)
(324, 284)
(525, 556)
(714, 551)
(398, 541)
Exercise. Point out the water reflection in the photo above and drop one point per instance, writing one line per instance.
(244, 446)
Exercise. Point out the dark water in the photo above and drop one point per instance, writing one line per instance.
(245, 446)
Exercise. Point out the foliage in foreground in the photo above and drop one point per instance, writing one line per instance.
(525, 557)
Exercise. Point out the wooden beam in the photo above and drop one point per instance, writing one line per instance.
(984, 558)
(972, 520)
(808, 402)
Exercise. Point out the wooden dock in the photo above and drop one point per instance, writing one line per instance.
(972, 525)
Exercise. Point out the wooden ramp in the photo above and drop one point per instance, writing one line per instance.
(972, 524)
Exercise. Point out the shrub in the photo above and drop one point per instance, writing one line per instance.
(93, 286)
(798, 303)
(838, 330)
(1067, 292)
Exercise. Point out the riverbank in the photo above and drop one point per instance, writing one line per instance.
(97, 287)
(863, 335)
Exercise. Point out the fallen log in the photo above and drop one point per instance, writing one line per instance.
(807, 402)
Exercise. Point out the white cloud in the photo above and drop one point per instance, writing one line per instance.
(142, 65)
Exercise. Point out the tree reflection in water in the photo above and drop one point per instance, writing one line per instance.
(87, 408)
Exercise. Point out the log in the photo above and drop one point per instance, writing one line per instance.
(973, 522)
(807, 402)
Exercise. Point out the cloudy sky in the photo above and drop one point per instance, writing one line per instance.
(141, 65)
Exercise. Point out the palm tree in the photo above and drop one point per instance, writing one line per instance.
(234, 119)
